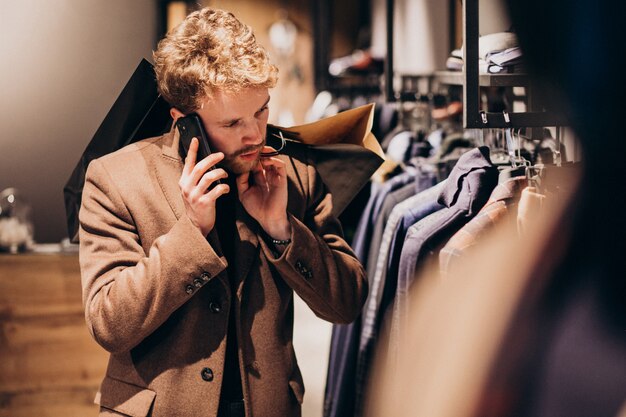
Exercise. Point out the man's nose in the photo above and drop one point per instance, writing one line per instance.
(253, 134)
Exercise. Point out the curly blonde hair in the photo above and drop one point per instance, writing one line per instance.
(211, 49)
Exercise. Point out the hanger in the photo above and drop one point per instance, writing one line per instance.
(498, 146)
(557, 152)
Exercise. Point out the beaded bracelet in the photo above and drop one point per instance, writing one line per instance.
(280, 242)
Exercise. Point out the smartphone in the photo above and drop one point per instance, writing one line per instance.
(191, 127)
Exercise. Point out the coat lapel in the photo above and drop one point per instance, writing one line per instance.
(246, 248)
(168, 171)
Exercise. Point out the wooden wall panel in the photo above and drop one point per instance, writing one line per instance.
(49, 364)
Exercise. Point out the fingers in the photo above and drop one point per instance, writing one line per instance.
(268, 175)
(196, 170)
(190, 159)
(258, 179)
(192, 172)
(274, 168)
(195, 180)
(218, 191)
(243, 182)
(259, 176)
(268, 151)
(204, 165)
(273, 161)
(201, 194)
(209, 178)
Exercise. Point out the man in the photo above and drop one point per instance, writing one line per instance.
(189, 283)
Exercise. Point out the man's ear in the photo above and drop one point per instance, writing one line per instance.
(176, 114)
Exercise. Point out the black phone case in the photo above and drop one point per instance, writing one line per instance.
(191, 127)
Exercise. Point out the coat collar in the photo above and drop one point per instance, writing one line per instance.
(168, 170)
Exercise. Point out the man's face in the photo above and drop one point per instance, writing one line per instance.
(236, 123)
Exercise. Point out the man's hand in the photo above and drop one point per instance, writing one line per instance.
(194, 185)
(266, 198)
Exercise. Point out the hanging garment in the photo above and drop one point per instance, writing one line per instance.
(468, 188)
(530, 205)
(383, 280)
(411, 211)
(385, 118)
(363, 235)
(455, 326)
(400, 146)
(340, 381)
(424, 179)
(502, 201)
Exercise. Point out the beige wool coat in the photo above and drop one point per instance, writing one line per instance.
(151, 282)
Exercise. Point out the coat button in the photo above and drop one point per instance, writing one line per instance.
(189, 289)
(215, 307)
(197, 282)
(205, 276)
(304, 270)
(207, 374)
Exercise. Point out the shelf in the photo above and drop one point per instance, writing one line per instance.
(485, 80)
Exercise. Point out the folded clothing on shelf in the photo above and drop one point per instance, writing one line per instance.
(498, 53)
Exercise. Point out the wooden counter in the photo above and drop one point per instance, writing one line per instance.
(49, 364)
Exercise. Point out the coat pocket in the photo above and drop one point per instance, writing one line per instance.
(125, 398)
(297, 385)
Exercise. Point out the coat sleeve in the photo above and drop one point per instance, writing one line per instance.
(128, 293)
(318, 264)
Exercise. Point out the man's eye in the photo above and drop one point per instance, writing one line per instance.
(262, 110)
(233, 123)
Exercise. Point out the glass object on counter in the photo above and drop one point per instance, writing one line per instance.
(16, 226)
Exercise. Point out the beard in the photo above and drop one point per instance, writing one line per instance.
(234, 164)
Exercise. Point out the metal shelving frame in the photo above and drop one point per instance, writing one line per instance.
(388, 73)
(473, 117)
